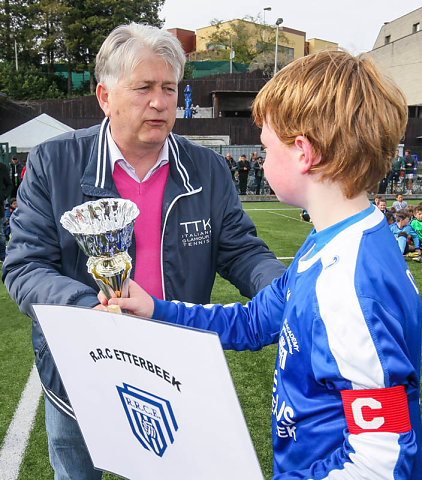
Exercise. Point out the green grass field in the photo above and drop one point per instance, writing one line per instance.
(252, 372)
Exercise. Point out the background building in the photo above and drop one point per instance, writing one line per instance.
(398, 52)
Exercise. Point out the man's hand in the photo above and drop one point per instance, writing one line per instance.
(138, 303)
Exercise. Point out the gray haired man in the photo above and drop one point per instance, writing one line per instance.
(191, 224)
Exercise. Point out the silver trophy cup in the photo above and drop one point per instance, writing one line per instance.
(103, 230)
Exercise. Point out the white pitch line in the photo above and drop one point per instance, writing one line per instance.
(285, 258)
(291, 218)
(268, 209)
(17, 436)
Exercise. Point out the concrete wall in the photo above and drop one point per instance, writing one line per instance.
(399, 28)
(402, 61)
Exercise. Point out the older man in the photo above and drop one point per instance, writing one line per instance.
(191, 223)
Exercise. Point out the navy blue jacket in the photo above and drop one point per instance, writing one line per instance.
(204, 231)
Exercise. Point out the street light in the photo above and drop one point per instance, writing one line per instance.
(278, 23)
(266, 9)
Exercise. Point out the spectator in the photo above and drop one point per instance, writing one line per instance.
(259, 173)
(180, 187)
(23, 169)
(243, 168)
(404, 232)
(396, 170)
(5, 187)
(409, 164)
(15, 175)
(399, 204)
(231, 163)
(11, 208)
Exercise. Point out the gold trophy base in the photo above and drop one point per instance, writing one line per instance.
(111, 274)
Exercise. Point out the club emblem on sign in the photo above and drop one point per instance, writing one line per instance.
(150, 417)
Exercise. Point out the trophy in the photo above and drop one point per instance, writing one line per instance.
(103, 230)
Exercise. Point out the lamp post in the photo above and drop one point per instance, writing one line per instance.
(16, 55)
(278, 23)
(266, 9)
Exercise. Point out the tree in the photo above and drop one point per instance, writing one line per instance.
(87, 24)
(17, 28)
(265, 62)
(63, 31)
(29, 83)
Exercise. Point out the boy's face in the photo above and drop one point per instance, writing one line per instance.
(13, 204)
(278, 166)
(382, 205)
(418, 215)
(404, 222)
(399, 198)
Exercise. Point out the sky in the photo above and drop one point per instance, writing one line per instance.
(353, 24)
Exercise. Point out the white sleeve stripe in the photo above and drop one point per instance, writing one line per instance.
(375, 458)
(348, 335)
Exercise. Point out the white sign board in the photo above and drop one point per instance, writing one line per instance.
(153, 400)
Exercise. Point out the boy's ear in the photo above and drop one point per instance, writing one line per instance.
(307, 157)
(102, 96)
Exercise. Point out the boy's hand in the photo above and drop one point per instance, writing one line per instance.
(138, 303)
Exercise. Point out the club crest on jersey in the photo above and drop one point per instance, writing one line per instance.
(150, 417)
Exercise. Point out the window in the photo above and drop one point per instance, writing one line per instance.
(387, 39)
(416, 27)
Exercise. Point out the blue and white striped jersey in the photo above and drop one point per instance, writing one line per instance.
(347, 318)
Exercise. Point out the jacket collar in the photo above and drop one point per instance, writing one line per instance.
(97, 179)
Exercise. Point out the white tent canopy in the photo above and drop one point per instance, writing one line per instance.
(35, 131)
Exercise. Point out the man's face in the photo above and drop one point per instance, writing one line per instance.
(407, 153)
(142, 107)
(14, 161)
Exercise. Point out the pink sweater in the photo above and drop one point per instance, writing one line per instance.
(148, 196)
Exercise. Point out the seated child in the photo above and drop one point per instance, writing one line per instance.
(304, 215)
(377, 199)
(346, 315)
(399, 204)
(410, 209)
(390, 218)
(382, 205)
(403, 231)
(416, 223)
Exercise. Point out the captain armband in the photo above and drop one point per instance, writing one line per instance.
(378, 410)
